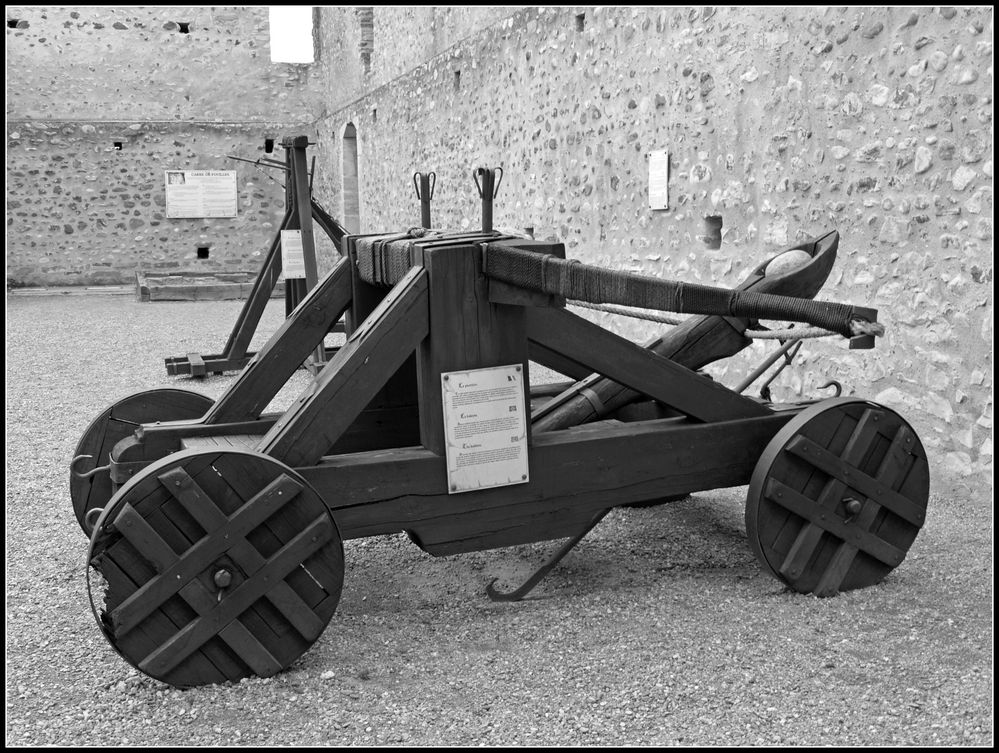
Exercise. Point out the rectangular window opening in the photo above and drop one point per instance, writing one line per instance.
(580, 21)
(366, 21)
(291, 34)
(203, 252)
(457, 80)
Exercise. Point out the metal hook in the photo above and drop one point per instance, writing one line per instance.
(835, 385)
(91, 518)
(789, 355)
(431, 182)
(483, 171)
(87, 474)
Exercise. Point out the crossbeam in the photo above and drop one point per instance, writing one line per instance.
(640, 369)
(300, 333)
(575, 473)
(338, 394)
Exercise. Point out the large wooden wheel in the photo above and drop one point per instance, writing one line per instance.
(838, 497)
(212, 566)
(119, 420)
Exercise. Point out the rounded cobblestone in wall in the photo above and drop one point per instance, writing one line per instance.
(858, 136)
(98, 207)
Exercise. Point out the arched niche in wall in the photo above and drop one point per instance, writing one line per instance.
(351, 185)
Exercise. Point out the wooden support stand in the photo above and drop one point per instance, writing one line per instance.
(300, 213)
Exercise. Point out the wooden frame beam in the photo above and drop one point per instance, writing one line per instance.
(596, 349)
(299, 335)
(574, 473)
(345, 386)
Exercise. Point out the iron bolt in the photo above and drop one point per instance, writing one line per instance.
(853, 506)
(222, 578)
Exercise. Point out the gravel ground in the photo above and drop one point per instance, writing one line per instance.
(659, 629)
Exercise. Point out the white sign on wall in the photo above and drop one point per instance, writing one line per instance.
(200, 193)
(292, 255)
(659, 179)
(485, 428)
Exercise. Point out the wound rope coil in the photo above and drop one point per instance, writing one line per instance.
(576, 281)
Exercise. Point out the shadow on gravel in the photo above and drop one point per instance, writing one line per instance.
(632, 548)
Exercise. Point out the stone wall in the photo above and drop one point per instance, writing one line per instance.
(102, 63)
(781, 124)
(80, 211)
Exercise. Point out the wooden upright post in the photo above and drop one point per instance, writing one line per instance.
(303, 203)
(299, 194)
(467, 332)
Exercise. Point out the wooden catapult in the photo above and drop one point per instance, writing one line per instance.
(216, 537)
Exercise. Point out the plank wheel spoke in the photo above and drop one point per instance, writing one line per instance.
(214, 566)
(838, 497)
(117, 421)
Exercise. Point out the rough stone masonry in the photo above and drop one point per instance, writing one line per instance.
(780, 123)
(100, 101)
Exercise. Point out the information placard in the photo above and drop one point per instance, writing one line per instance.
(292, 255)
(200, 193)
(485, 428)
(659, 179)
